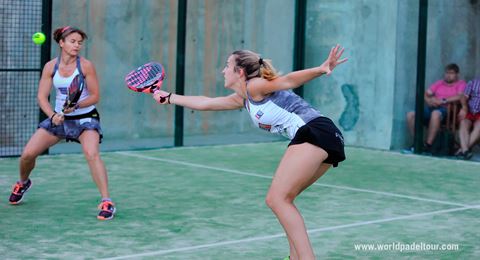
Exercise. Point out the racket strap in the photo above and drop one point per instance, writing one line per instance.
(167, 97)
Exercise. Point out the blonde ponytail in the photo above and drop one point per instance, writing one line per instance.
(254, 65)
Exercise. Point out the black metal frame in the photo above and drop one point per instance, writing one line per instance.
(299, 39)
(421, 61)
(180, 67)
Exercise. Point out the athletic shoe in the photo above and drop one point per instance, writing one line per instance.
(427, 149)
(107, 210)
(408, 150)
(460, 156)
(467, 155)
(18, 191)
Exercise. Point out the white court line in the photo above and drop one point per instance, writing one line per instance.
(269, 177)
(311, 231)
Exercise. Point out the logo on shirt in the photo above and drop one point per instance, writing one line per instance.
(63, 90)
(259, 114)
(265, 127)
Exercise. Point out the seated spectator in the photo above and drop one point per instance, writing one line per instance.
(469, 116)
(437, 97)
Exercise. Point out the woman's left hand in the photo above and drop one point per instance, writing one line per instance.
(333, 60)
(68, 110)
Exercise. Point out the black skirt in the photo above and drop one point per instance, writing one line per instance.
(323, 133)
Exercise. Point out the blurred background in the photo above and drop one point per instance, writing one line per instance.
(367, 97)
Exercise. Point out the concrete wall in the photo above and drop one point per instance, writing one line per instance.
(367, 97)
(359, 94)
(124, 34)
(453, 36)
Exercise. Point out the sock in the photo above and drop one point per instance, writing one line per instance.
(24, 182)
(106, 199)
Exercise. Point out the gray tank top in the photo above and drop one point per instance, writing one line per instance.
(283, 112)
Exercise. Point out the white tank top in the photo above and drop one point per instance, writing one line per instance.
(61, 84)
(283, 112)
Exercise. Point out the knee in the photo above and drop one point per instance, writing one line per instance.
(463, 125)
(436, 115)
(92, 155)
(410, 115)
(28, 156)
(275, 200)
(271, 201)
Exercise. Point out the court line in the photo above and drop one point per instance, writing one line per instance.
(269, 177)
(311, 231)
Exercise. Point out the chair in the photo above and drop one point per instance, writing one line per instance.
(451, 123)
(448, 130)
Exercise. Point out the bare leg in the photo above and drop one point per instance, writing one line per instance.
(464, 133)
(411, 123)
(38, 143)
(297, 170)
(321, 170)
(474, 135)
(89, 140)
(434, 126)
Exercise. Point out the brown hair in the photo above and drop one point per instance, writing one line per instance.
(62, 33)
(452, 66)
(254, 65)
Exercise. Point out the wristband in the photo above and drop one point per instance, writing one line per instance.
(51, 118)
(162, 99)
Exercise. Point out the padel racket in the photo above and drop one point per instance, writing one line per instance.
(74, 91)
(147, 78)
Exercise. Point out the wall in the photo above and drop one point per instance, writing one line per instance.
(367, 97)
(124, 34)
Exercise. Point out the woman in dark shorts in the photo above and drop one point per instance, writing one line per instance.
(316, 143)
(80, 123)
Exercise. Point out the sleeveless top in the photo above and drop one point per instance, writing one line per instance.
(61, 84)
(282, 112)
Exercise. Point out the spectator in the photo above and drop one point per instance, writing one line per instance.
(437, 97)
(469, 116)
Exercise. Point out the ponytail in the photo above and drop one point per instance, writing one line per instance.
(254, 65)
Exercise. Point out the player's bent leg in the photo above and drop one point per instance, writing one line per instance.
(434, 126)
(464, 135)
(321, 170)
(294, 173)
(38, 143)
(473, 139)
(90, 146)
(293, 251)
(411, 122)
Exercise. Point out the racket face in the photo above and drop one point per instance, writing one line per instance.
(74, 91)
(146, 78)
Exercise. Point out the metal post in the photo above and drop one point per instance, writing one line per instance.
(180, 69)
(46, 47)
(421, 61)
(299, 41)
(45, 54)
